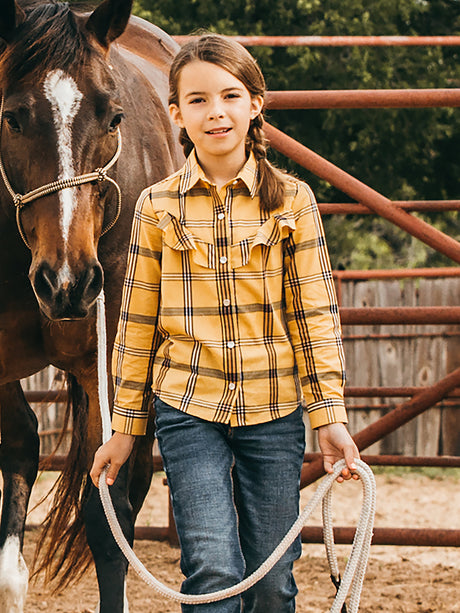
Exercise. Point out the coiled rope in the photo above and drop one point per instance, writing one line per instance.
(353, 576)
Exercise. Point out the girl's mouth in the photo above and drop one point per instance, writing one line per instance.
(218, 131)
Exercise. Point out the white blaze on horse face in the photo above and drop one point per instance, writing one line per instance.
(64, 96)
(14, 577)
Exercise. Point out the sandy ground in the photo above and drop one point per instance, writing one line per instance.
(399, 579)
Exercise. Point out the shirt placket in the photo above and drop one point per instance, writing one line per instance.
(230, 346)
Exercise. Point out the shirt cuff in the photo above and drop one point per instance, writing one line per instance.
(329, 411)
(128, 421)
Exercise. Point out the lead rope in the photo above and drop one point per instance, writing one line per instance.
(353, 576)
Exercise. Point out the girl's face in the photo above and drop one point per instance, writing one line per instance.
(216, 109)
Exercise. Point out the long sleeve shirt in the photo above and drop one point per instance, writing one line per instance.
(228, 313)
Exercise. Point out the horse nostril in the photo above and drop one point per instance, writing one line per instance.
(45, 282)
(93, 281)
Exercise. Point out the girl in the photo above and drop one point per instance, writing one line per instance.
(229, 315)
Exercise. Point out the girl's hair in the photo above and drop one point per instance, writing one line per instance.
(233, 57)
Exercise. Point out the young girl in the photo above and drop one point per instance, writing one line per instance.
(229, 315)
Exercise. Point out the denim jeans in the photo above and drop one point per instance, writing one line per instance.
(235, 494)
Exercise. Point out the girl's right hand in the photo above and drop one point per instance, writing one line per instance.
(115, 453)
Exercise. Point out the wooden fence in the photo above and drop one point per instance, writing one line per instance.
(50, 414)
(404, 355)
(377, 356)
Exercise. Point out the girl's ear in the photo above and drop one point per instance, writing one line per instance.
(257, 103)
(176, 115)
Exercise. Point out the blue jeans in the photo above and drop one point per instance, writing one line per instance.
(235, 494)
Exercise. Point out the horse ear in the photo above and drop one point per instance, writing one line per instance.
(109, 20)
(11, 16)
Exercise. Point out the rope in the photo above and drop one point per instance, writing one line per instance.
(353, 577)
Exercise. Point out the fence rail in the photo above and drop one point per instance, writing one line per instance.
(362, 99)
(341, 41)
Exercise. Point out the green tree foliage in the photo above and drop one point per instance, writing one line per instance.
(406, 154)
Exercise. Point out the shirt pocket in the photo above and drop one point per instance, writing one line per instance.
(271, 233)
(179, 238)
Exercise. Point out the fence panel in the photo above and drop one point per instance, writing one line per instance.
(403, 355)
(50, 414)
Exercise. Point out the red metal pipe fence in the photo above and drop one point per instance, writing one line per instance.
(362, 193)
(362, 99)
(390, 422)
(427, 206)
(341, 41)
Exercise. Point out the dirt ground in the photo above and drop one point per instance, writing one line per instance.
(398, 580)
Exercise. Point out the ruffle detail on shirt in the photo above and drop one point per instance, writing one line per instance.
(175, 235)
(179, 238)
(275, 229)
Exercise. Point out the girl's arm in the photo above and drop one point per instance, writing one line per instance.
(136, 340)
(134, 344)
(314, 328)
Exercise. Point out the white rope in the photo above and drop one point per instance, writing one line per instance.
(353, 576)
(102, 369)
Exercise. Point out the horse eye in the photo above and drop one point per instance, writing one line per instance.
(12, 122)
(115, 122)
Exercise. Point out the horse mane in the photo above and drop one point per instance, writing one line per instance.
(49, 38)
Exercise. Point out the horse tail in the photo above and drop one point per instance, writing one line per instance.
(62, 552)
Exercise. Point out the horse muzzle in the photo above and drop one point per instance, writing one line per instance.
(66, 294)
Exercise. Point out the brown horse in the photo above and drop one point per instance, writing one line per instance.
(70, 99)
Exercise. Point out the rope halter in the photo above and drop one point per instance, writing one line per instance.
(100, 175)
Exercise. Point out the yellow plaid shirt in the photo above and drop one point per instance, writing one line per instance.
(228, 313)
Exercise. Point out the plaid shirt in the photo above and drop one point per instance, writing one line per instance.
(228, 313)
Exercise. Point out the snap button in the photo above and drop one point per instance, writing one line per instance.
(223, 260)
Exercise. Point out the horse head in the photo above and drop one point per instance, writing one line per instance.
(61, 115)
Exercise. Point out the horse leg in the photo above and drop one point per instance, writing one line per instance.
(110, 572)
(19, 451)
(111, 565)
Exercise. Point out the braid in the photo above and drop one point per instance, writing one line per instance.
(184, 140)
(256, 138)
(271, 180)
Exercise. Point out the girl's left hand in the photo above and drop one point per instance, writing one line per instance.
(336, 443)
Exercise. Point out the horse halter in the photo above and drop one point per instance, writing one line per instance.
(100, 174)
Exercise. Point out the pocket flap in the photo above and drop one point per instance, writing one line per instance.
(270, 233)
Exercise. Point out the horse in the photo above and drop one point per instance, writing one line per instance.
(84, 128)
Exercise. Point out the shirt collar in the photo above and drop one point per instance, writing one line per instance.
(192, 173)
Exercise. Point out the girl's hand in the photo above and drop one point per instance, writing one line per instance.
(115, 452)
(336, 443)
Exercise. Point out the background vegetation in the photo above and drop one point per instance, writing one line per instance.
(406, 154)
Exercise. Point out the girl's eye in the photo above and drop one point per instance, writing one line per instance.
(233, 95)
(196, 100)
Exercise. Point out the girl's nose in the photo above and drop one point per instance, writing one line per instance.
(216, 111)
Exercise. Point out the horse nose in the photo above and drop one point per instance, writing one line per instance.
(69, 295)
